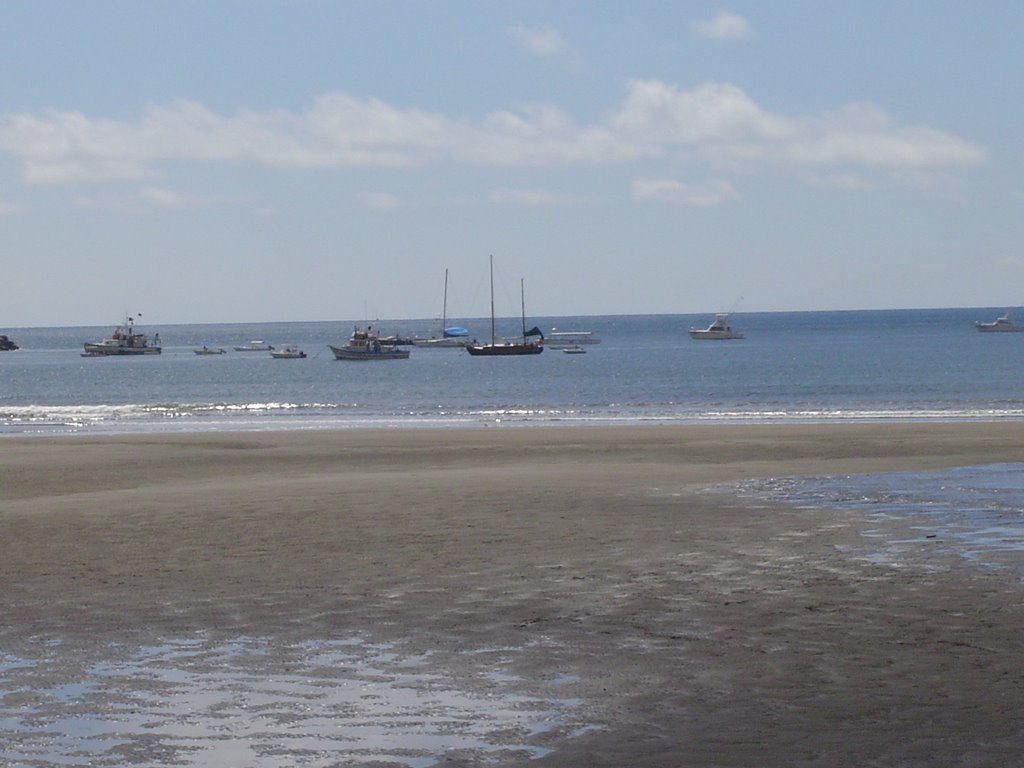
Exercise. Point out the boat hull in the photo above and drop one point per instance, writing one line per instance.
(714, 335)
(503, 350)
(103, 350)
(359, 353)
(445, 343)
(998, 328)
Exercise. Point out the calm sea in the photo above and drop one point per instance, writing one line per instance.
(801, 366)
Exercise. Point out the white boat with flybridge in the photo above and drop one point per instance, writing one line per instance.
(1002, 324)
(451, 336)
(559, 338)
(125, 340)
(368, 345)
(508, 347)
(719, 329)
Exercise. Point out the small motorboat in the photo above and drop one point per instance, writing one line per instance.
(287, 352)
(575, 349)
(205, 350)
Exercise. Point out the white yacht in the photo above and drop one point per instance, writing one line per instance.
(1002, 324)
(719, 329)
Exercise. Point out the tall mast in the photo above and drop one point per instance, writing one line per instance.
(444, 308)
(522, 299)
(492, 299)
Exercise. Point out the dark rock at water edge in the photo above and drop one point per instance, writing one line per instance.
(6, 345)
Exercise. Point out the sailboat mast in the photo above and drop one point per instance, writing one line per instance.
(522, 299)
(492, 299)
(444, 307)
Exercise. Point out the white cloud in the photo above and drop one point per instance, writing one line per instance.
(724, 26)
(532, 197)
(715, 192)
(163, 198)
(10, 209)
(379, 201)
(722, 124)
(658, 112)
(540, 41)
(717, 124)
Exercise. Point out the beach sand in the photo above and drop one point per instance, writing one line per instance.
(687, 627)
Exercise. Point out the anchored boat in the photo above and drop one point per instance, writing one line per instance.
(125, 340)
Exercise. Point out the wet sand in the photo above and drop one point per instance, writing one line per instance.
(691, 628)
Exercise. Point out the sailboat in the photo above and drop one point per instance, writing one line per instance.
(506, 347)
(454, 336)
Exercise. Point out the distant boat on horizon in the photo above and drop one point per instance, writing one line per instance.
(718, 330)
(125, 340)
(1002, 324)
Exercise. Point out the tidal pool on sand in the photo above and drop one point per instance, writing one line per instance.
(197, 703)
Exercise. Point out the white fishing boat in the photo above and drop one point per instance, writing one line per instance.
(287, 352)
(125, 340)
(367, 345)
(1002, 324)
(570, 338)
(719, 329)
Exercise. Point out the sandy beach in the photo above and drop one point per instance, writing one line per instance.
(687, 627)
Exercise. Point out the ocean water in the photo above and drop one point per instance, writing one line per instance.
(792, 366)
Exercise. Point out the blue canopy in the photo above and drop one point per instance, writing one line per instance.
(455, 330)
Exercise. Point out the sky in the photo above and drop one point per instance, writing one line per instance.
(291, 160)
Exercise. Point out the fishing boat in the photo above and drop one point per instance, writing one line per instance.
(1002, 324)
(256, 345)
(287, 352)
(451, 336)
(500, 348)
(205, 350)
(719, 329)
(125, 340)
(367, 345)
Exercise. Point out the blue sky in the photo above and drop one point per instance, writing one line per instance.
(312, 160)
